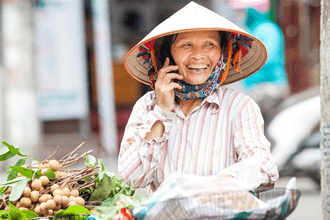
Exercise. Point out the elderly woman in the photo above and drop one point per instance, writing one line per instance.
(189, 123)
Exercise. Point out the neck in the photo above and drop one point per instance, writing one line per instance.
(188, 105)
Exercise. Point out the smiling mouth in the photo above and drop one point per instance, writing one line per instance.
(197, 68)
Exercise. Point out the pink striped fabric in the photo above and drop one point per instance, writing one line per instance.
(216, 137)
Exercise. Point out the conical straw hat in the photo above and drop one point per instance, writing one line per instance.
(194, 17)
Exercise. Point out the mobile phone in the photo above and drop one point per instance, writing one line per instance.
(172, 63)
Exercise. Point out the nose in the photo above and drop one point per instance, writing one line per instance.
(198, 53)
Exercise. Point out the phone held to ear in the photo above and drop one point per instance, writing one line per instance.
(172, 63)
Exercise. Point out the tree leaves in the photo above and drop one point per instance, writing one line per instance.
(12, 182)
(7, 155)
(49, 173)
(8, 151)
(18, 189)
(3, 191)
(13, 173)
(27, 172)
(13, 149)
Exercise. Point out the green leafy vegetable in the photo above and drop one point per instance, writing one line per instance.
(3, 214)
(79, 209)
(59, 214)
(112, 201)
(29, 214)
(102, 190)
(90, 161)
(110, 211)
(15, 213)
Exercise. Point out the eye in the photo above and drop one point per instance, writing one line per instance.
(186, 45)
(210, 44)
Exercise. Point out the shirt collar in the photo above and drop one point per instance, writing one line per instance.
(214, 99)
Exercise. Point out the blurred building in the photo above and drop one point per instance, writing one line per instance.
(300, 23)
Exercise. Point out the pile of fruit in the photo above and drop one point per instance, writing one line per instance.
(50, 188)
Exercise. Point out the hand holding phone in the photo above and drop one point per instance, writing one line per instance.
(165, 85)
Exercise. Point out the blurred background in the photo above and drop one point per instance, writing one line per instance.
(63, 81)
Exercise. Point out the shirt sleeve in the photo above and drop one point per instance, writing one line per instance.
(139, 158)
(251, 144)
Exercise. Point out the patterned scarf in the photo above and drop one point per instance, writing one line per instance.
(231, 54)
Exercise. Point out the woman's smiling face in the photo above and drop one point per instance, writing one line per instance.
(196, 53)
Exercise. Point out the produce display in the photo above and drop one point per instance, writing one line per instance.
(50, 188)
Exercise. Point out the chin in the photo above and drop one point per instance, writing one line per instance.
(195, 82)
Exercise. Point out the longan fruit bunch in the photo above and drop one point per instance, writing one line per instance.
(43, 166)
(54, 166)
(48, 203)
(55, 198)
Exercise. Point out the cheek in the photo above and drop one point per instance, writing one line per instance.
(216, 55)
(178, 56)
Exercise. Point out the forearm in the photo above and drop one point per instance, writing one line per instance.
(138, 162)
(251, 145)
(142, 146)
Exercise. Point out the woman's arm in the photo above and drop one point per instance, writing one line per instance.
(251, 144)
(143, 143)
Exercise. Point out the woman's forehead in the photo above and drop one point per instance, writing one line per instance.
(199, 35)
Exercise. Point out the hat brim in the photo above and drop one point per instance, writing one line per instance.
(253, 60)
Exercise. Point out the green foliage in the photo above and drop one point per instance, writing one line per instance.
(103, 189)
(6, 156)
(13, 173)
(29, 214)
(27, 172)
(79, 211)
(8, 151)
(3, 191)
(13, 149)
(18, 189)
(17, 214)
(49, 173)
(108, 207)
(90, 161)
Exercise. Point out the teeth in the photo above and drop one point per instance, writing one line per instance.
(197, 67)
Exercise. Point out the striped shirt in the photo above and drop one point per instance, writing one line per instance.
(215, 138)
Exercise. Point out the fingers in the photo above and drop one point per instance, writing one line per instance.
(167, 68)
(168, 78)
(174, 76)
(174, 85)
(167, 62)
